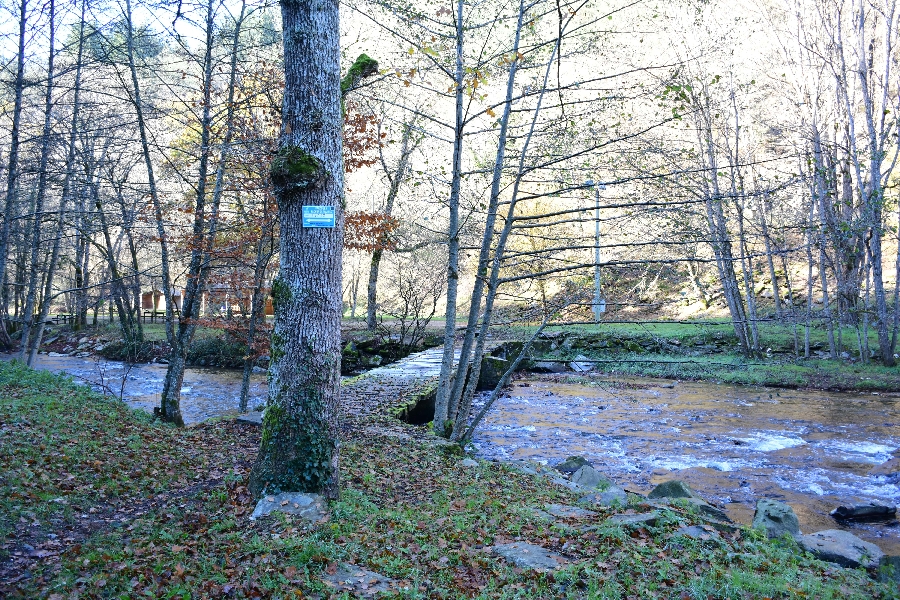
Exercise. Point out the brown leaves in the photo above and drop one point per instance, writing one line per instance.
(369, 231)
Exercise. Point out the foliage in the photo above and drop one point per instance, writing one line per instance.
(369, 231)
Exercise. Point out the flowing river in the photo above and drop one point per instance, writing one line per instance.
(732, 444)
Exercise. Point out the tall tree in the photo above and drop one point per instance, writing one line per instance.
(299, 449)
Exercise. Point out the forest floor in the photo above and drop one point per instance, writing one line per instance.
(98, 501)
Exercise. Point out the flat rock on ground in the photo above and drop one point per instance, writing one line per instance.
(698, 532)
(841, 547)
(358, 582)
(311, 507)
(612, 496)
(529, 556)
(568, 512)
(638, 520)
(589, 478)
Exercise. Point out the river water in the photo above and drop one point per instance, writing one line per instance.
(205, 393)
(732, 444)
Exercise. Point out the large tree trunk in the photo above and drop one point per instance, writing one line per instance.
(299, 449)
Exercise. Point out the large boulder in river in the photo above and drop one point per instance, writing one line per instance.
(572, 464)
(841, 547)
(870, 511)
(672, 489)
(776, 518)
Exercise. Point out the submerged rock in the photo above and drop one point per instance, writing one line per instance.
(776, 518)
(870, 511)
(889, 470)
(841, 547)
(572, 464)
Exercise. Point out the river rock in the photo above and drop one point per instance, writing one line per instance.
(581, 364)
(529, 556)
(492, 370)
(870, 511)
(588, 477)
(672, 489)
(572, 464)
(889, 469)
(841, 547)
(776, 518)
(311, 507)
(612, 496)
(468, 463)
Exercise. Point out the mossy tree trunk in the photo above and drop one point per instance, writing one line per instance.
(299, 449)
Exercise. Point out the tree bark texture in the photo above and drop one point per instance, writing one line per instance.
(299, 448)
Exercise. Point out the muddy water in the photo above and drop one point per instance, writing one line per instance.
(732, 444)
(205, 393)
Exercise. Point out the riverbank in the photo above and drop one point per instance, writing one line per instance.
(99, 501)
(709, 352)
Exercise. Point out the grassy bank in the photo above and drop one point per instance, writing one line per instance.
(709, 351)
(96, 501)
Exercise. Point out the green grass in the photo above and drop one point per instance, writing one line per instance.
(407, 511)
(710, 352)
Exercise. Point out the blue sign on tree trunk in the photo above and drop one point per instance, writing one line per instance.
(318, 216)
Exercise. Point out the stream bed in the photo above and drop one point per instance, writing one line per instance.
(732, 444)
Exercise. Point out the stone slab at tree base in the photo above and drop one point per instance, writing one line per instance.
(311, 507)
(357, 582)
(841, 547)
(529, 556)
